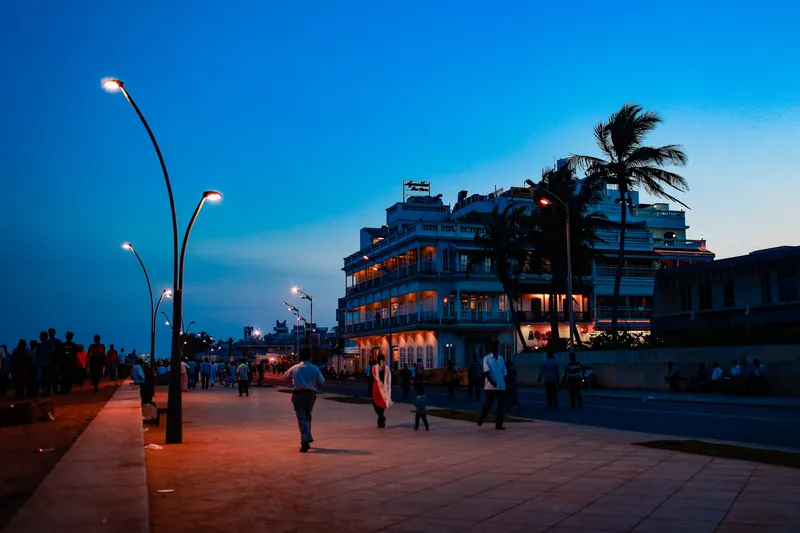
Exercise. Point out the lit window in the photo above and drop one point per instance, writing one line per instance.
(429, 357)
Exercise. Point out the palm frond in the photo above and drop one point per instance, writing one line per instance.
(670, 154)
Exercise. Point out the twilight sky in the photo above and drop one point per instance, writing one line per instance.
(308, 115)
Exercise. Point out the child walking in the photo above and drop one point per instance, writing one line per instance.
(420, 402)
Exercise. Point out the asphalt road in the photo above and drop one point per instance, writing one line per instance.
(763, 426)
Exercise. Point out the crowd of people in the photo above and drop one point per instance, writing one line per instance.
(741, 378)
(48, 365)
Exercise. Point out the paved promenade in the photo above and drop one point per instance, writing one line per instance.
(239, 470)
(100, 484)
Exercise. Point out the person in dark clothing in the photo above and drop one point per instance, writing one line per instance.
(20, 364)
(97, 360)
(405, 381)
(450, 381)
(33, 374)
(55, 347)
(573, 376)
(149, 385)
(512, 391)
(4, 370)
(421, 413)
(45, 364)
(474, 378)
(549, 372)
(67, 360)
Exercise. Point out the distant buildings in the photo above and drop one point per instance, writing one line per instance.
(437, 313)
(753, 298)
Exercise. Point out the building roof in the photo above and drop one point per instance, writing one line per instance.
(758, 256)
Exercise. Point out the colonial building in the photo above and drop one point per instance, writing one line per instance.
(409, 277)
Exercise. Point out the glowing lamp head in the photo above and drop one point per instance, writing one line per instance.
(294, 290)
(366, 258)
(167, 293)
(212, 196)
(545, 201)
(127, 246)
(112, 85)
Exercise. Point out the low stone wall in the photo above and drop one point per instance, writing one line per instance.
(645, 369)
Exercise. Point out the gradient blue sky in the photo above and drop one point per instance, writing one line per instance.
(308, 115)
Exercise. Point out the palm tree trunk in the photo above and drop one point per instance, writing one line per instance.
(515, 318)
(620, 265)
(553, 308)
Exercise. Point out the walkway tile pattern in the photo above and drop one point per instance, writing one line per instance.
(239, 468)
(100, 485)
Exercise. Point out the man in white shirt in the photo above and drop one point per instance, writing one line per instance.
(494, 373)
(716, 377)
(306, 379)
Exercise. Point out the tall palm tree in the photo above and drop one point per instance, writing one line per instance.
(630, 165)
(504, 242)
(548, 227)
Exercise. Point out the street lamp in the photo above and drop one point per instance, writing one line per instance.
(129, 246)
(305, 296)
(545, 202)
(174, 431)
(296, 312)
(381, 266)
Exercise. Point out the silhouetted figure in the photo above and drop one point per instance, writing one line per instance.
(474, 378)
(45, 364)
(450, 381)
(97, 360)
(512, 390)
(494, 373)
(549, 372)
(112, 362)
(20, 364)
(405, 381)
(573, 375)
(68, 359)
(55, 346)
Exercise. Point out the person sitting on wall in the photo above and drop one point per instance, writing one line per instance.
(759, 377)
(716, 378)
(673, 377)
(699, 382)
(732, 379)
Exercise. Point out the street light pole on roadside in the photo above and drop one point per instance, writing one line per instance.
(174, 430)
(166, 293)
(305, 296)
(296, 312)
(545, 202)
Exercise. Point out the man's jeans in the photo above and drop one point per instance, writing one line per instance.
(113, 373)
(303, 402)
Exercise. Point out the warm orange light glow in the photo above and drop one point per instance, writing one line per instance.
(544, 201)
(127, 246)
(366, 258)
(111, 85)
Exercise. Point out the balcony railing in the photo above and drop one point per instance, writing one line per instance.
(683, 244)
(544, 317)
(625, 313)
(627, 272)
(472, 316)
(422, 267)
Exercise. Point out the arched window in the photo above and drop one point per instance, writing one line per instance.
(403, 360)
(420, 353)
(429, 357)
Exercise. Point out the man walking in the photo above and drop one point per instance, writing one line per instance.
(97, 360)
(205, 373)
(475, 372)
(45, 362)
(113, 362)
(306, 379)
(494, 373)
(243, 375)
(55, 348)
(549, 372)
(573, 375)
(68, 360)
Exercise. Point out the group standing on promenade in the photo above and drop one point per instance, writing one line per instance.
(50, 366)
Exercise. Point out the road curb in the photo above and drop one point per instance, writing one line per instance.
(692, 401)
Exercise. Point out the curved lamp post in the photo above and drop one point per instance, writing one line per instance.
(305, 296)
(174, 431)
(545, 202)
(129, 246)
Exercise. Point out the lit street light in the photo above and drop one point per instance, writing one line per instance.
(174, 430)
(304, 296)
(545, 202)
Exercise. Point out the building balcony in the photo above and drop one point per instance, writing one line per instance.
(472, 316)
(680, 244)
(627, 272)
(604, 313)
(535, 317)
(422, 267)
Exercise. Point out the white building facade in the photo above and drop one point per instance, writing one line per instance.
(410, 277)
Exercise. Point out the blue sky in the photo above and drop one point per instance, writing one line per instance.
(308, 115)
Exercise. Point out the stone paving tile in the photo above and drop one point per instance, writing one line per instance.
(657, 525)
(532, 478)
(727, 527)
